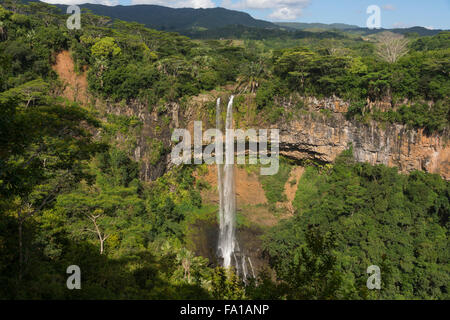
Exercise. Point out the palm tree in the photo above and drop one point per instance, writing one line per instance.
(250, 77)
(185, 257)
(3, 34)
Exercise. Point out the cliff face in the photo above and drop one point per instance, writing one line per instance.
(323, 137)
(149, 143)
(314, 135)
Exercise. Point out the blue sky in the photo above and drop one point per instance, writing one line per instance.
(394, 13)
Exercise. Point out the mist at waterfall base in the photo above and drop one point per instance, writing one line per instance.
(228, 247)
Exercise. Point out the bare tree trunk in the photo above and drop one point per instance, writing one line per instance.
(391, 46)
(101, 237)
(187, 268)
(21, 219)
(20, 249)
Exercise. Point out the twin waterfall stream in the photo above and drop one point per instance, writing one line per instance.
(228, 246)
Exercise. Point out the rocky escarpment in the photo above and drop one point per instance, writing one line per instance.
(311, 134)
(149, 143)
(315, 135)
(323, 136)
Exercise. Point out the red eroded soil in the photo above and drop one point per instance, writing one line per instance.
(76, 86)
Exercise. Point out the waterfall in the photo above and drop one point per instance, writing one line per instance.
(226, 192)
(228, 246)
(220, 176)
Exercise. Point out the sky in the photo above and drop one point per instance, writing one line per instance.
(432, 14)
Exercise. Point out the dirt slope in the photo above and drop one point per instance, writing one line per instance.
(76, 86)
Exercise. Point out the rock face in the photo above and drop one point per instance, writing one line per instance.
(323, 137)
(153, 158)
(313, 135)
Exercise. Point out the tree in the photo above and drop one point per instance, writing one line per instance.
(295, 65)
(391, 46)
(103, 209)
(226, 285)
(42, 147)
(105, 47)
(102, 237)
(305, 261)
(185, 257)
(103, 50)
(250, 77)
(4, 14)
(314, 272)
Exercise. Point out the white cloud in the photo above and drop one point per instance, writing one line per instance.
(285, 13)
(104, 2)
(178, 3)
(282, 9)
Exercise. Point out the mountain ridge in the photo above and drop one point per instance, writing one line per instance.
(318, 25)
(188, 20)
(175, 19)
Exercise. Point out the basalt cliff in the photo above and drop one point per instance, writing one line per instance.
(319, 132)
(323, 137)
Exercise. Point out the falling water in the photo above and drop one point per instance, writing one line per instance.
(226, 192)
(228, 247)
(220, 177)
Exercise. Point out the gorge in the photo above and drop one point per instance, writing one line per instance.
(313, 135)
(228, 245)
(88, 176)
(320, 137)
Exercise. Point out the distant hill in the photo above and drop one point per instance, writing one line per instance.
(353, 28)
(421, 31)
(170, 19)
(303, 26)
(242, 32)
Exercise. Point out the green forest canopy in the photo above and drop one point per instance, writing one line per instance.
(68, 197)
